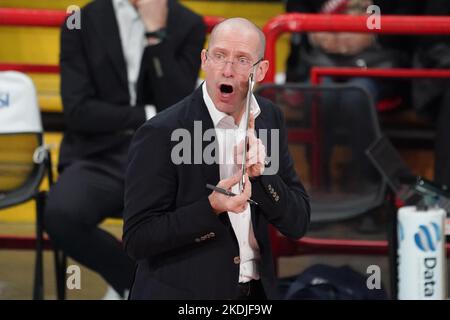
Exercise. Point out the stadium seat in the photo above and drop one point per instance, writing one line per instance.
(24, 161)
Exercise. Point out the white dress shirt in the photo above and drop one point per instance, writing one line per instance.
(229, 135)
(132, 38)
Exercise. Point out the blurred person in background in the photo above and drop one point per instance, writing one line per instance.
(342, 49)
(346, 49)
(129, 60)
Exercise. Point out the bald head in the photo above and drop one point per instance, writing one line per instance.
(239, 25)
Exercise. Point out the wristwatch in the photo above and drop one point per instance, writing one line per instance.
(160, 34)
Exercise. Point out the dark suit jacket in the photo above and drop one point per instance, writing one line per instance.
(94, 85)
(183, 250)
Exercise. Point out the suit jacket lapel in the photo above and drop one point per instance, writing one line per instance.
(259, 124)
(106, 24)
(199, 113)
(211, 172)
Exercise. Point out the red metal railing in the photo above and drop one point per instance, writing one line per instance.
(338, 23)
(308, 245)
(31, 68)
(16, 17)
(54, 18)
(13, 242)
(390, 24)
(49, 18)
(317, 73)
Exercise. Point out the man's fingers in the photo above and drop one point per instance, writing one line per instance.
(238, 152)
(252, 139)
(252, 153)
(251, 161)
(247, 188)
(229, 182)
(255, 170)
(257, 153)
(238, 203)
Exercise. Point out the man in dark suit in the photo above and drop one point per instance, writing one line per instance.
(129, 60)
(189, 242)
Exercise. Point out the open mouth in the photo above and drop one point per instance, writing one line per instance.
(226, 88)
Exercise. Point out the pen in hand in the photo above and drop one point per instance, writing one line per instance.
(227, 193)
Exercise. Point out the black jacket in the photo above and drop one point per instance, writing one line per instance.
(94, 88)
(183, 250)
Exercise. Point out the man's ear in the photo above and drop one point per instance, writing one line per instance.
(262, 68)
(203, 58)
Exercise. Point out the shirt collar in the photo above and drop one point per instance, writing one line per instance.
(217, 116)
(120, 5)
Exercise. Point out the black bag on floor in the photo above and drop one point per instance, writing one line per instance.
(322, 282)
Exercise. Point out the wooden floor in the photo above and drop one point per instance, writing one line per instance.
(17, 267)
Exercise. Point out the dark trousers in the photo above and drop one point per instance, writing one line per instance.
(85, 194)
(252, 290)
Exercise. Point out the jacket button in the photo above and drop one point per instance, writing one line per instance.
(197, 240)
(237, 260)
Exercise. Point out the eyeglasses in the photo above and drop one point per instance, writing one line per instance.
(241, 64)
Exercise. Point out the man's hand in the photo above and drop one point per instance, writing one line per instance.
(153, 13)
(256, 153)
(237, 204)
